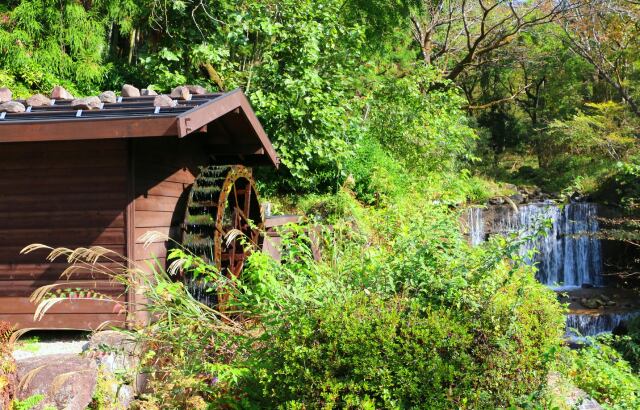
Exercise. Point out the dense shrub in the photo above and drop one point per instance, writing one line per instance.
(364, 351)
(603, 373)
(417, 319)
(399, 312)
(629, 344)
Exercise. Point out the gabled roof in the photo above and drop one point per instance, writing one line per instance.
(133, 117)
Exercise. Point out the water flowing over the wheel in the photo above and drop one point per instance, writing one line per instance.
(223, 221)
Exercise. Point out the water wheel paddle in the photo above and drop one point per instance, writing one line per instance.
(223, 200)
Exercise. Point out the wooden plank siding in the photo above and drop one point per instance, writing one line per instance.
(61, 194)
(164, 172)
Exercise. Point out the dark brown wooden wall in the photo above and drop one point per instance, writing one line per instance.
(164, 171)
(85, 193)
(60, 194)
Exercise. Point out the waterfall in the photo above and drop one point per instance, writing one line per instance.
(475, 220)
(569, 254)
(592, 325)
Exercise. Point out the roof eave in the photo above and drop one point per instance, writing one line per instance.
(235, 100)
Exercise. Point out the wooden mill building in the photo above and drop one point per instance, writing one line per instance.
(104, 176)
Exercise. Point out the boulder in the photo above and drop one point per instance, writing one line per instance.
(148, 91)
(12, 107)
(180, 93)
(108, 97)
(517, 198)
(130, 91)
(67, 381)
(59, 93)
(5, 95)
(530, 190)
(117, 354)
(496, 201)
(196, 89)
(38, 100)
(589, 404)
(163, 101)
(88, 103)
(590, 303)
(576, 197)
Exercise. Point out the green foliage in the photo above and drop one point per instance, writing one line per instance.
(45, 43)
(329, 101)
(377, 176)
(426, 132)
(626, 178)
(606, 131)
(341, 334)
(29, 403)
(365, 352)
(629, 344)
(397, 285)
(603, 373)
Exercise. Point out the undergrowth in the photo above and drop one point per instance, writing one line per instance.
(399, 312)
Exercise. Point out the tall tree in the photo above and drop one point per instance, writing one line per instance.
(455, 35)
(607, 34)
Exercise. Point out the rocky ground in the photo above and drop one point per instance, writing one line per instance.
(52, 342)
(76, 370)
(600, 300)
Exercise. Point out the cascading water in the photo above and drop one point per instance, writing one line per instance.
(591, 325)
(569, 254)
(475, 220)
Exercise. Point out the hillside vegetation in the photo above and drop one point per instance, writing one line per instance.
(388, 117)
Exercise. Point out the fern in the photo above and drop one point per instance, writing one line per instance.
(28, 403)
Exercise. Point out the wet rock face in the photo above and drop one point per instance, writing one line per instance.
(67, 381)
(518, 198)
(569, 254)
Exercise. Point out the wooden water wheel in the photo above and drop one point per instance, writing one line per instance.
(223, 221)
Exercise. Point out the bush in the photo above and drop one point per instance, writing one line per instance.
(398, 313)
(377, 176)
(416, 319)
(366, 352)
(602, 372)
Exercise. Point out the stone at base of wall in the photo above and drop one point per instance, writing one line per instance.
(67, 381)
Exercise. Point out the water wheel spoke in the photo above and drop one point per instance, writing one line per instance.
(243, 215)
(237, 257)
(247, 202)
(235, 195)
(229, 213)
